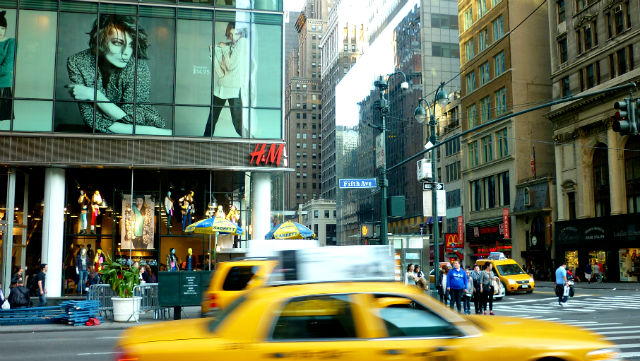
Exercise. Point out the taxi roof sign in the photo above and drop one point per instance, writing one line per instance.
(335, 264)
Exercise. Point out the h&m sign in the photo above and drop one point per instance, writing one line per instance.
(274, 155)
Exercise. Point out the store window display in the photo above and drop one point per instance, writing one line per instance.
(116, 44)
(7, 50)
(96, 201)
(629, 264)
(84, 203)
(168, 210)
(172, 261)
(187, 207)
(137, 226)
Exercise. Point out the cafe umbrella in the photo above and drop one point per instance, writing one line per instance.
(215, 226)
(290, 230)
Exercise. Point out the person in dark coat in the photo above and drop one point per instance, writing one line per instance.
(19, 296)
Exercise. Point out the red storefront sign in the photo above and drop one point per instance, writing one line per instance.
(460, 229)
(452, 242)
(275, 154)
(505, 222)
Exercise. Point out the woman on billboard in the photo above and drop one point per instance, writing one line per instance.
(231, 66)
(117, 47)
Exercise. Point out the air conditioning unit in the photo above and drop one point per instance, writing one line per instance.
(424, 170)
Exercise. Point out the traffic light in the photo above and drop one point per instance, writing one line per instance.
(626, 117)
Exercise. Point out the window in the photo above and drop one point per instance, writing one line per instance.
(589, 76)
(499, 63)
(621, 61)
(468, 18)
(482, 8)
(504, 193)
(238, 278)
(562, 50)
(444, 21)
(483, 40)
(586, 37)
(632, 174)
(445, 50)
(484, 73)
(410, 319)
(618, 19)
(485, 105)
(473, 154)
(501, 101)
(571, 199)
(453, 171)
(601, 190)
(476, 195)
(469, 50)
(291, 324)
(316, 214)
(560, 9)
(503, 143)
(487, 149)
(326, 214)
(498, 31)
(564, 83)
(471, 82)
(453, 201)
(471, 116)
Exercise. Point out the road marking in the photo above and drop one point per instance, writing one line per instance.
(624, 338)
(628, 345)
(629, 354)
(618, 332)
(612, 328)
(95, 353)
(107, 337)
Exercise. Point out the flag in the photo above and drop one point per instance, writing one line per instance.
(533, 162)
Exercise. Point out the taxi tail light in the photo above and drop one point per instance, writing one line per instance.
(120, 355)
(213, 300)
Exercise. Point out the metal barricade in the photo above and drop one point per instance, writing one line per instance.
(148, 292)
(103, 294)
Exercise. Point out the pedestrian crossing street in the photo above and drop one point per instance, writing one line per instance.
(625, 335)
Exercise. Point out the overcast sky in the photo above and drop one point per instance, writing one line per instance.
(293, 5)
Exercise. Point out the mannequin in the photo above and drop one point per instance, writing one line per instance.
(84, 202)
(168, 209)
(234, 214)
(186, 202)
(220, 212)
(82, 269)
(96, 201)
(189, 259)
(90, 252)
(98, 261)
(172, 261)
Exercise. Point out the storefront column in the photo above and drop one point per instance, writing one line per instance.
(7, 241)
(561, 199)
(25, 221)
(261, 204)
(616, 174)
(53, 228)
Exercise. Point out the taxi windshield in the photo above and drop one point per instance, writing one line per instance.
(510, 270)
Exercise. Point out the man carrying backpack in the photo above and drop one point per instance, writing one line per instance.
(19, 296)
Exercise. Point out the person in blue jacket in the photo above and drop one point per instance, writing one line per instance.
(456, 283)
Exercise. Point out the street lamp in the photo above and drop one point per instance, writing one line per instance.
(382, 84)
(420, 115)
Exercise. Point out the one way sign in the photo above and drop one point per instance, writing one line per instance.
(431, 186)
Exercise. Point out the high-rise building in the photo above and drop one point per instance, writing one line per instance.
(504, 56)
(595, 45)
(118, 140)
(304, 105)
(344, 40)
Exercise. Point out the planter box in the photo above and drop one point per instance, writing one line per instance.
(126, 309)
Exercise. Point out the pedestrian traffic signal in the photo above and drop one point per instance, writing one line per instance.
(626, 117)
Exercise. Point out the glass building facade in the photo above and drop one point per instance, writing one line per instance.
(121, 122)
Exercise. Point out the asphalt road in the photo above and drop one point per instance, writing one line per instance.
(610, 313)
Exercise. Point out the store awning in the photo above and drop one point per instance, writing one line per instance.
(430, 220)
(491, 222)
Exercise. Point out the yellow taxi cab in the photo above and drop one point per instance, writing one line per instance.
(356, 321)
(511, 275)
(232, 279)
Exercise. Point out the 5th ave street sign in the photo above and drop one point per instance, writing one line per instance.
(431, 186)
(358, 183)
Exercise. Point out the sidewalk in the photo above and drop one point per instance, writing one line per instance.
(146, 318)
(629, 286)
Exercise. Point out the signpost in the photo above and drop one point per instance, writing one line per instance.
(358, 183)
(430, 186)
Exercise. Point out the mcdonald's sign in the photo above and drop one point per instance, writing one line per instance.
(452, 242)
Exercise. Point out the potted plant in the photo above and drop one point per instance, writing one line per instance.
(122, 279)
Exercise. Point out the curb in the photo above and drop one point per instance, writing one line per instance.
(598, 287)
(67, 328)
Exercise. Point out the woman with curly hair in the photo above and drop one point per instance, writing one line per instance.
(122, 78)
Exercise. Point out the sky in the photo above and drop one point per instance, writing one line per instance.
(293, 5)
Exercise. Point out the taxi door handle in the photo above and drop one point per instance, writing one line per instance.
(392, 352)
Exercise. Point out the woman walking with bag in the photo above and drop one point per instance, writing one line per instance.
(486, 289)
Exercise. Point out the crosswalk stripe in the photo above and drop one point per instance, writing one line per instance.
(623, 338)
(618, 332)
(612, 328)
(629, 345)
(629, 354)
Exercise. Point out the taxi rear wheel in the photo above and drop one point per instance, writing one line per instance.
(550, 359)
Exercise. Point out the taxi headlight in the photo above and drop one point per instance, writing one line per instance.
(604, 354)
(512, 282)
(531, 280)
